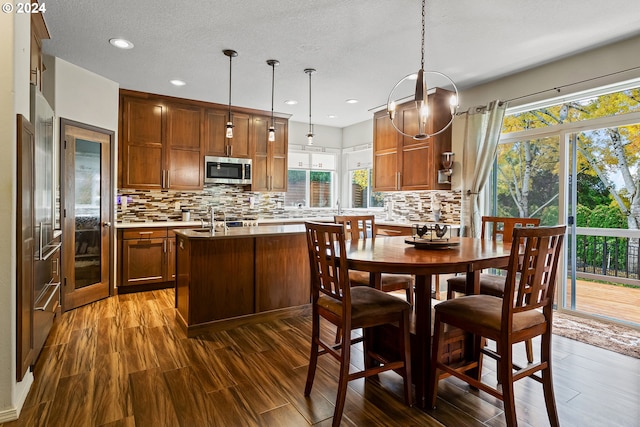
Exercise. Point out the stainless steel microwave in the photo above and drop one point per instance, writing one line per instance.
(227, 170)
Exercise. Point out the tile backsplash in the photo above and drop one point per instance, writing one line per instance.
(167, 205)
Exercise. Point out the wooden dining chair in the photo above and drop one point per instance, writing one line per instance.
(334, 300)
(364, 227)
(500, 228)
(525, 311)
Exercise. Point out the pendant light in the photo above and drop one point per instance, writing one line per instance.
(272, 128)
(421, 96)
(231, 54)
(310, 134)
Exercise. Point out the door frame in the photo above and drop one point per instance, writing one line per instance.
(87, 296)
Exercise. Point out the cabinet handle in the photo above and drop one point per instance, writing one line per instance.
(143, 233)
(55, 266)
(164, 246)
(168, 178)
(162, 185)
(398, 181)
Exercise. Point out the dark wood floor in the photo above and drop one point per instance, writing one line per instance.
(123, 362)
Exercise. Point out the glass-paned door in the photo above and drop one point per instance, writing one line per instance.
(604, 240)
(87, 233)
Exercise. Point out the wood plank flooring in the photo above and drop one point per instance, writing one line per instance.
(123, 361)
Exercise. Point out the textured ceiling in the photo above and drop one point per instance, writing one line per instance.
(360, 48)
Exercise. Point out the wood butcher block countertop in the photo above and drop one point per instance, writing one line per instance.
(241, 232)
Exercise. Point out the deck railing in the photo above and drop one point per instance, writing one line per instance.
(608, 254)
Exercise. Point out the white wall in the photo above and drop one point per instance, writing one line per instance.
(324, 136)
(14, 99)
(358, 134)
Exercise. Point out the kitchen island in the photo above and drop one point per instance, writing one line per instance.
(233, 277)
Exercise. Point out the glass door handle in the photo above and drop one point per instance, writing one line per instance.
(106, 224)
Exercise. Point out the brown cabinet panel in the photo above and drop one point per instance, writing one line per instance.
(385, 166)
(385, 135)
(141, 143)
(417, 167)
(282, 272)
(270, 158)
(171, 256)
(183, 127)
(240, 143)
(221, 274)
(185, 170)
(143, 261)
(215, 142)
(143, 167)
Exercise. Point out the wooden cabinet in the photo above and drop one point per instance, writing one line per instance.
(39, 32)
(216, 144)
(160, 144)
(141, 145)
(403, 163)
(147, 256)
(270, 158)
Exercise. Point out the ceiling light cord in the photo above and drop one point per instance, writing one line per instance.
(272, 128)
(310, 134)
(229, 128)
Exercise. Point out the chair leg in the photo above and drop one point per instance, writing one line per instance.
(343, 382)
(405, 345)
(529, 346)
(432, 389)
(547, 382)
(506, 379)
(436, 285)
(313, 357)
(410, 294)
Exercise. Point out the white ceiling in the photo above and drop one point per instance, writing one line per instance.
(360, 48)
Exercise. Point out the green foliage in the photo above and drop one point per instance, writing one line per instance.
(320, 177)
(296, 176)
(591, 190)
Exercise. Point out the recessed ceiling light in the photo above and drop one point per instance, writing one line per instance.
(121, 43)
(351, 101)
(291, 102)
(332, 116)
(177, 82)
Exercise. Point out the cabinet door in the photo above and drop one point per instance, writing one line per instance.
(385, 149)
(141, 158)
(260, 172)
(270, 158)
(143, 261)
(183, 142)
(240, 143)
(215, 143)
(417, 168)
(279, 152)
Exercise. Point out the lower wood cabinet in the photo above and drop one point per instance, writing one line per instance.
(146, 256)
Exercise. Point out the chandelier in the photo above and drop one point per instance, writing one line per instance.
(421, 96)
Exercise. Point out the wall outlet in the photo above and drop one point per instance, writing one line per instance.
(279, 205)
(176, 206)
(252, 202)
(420, 206)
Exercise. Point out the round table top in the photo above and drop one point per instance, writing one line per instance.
(393, 255)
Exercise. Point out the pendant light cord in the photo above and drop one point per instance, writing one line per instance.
(273, 82)
(423, 27)
(230, 58)
(310, 131)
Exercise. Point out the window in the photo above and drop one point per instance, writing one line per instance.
(311, 180)
(360, 168)
(361, 190)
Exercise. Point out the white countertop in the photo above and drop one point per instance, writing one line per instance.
(265, 221)
(158, 224)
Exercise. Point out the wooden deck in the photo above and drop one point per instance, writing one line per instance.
(602, 299)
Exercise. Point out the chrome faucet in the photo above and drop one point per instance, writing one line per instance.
(212, 223)
(339, 207)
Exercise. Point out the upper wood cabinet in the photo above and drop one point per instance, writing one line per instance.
(215, 141)
(163, 141)
(403, 163)
(160, 145)
(39, 32)
(270, 158)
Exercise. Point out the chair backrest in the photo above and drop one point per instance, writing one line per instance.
(532, 271)
(329, 272)
(357, 227)
(501, 228)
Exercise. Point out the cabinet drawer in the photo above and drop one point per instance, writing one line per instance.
(144, 233)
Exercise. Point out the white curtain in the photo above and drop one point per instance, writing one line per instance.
(482, 131)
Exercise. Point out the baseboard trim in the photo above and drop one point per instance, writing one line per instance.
(12, 414)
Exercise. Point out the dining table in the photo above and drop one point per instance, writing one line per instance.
(401, 254)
